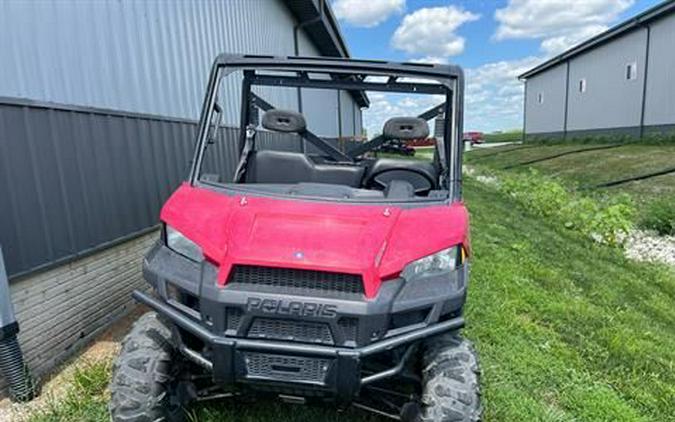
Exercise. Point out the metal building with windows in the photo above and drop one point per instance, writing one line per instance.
(619, 82)
(99, 104)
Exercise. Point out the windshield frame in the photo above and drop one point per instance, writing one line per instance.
(448, 77)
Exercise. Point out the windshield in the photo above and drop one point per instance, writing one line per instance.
(345, 136)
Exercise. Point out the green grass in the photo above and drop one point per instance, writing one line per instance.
(86, 398)
(566, 330)
(421, 153)
(506, 136)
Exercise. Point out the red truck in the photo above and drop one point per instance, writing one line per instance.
(473, 137)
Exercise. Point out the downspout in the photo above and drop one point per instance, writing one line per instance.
(567, 98)
(22, 387)
(524, 134)
(296, 49)
(644, 83)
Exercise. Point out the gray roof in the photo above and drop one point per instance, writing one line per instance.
(638, 21)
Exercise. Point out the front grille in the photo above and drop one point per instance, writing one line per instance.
(286, 368)
(233, 318)
(290, 330)
(349, 328)
(303, 282)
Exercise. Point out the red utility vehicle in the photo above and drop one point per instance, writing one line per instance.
(288, 267)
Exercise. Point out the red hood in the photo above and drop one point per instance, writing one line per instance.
(376, 241)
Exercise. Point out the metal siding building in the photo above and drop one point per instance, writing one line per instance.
(99, 103)
(660, 101)
(98, 109)
(137, 56)
(545, 104)
(619, 82)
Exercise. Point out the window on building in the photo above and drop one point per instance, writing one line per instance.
(631, 71)
(582, 85)
(540, 98)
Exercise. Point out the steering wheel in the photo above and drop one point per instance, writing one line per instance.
(421, 182)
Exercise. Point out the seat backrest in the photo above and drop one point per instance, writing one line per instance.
(284, 121)
(405, 128)
(268, 166)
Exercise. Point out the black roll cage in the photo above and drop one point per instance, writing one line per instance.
(347, 74)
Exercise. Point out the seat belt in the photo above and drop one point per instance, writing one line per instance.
(249, 145)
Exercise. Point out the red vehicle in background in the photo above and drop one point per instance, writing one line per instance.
(473, 137)
(421, 142)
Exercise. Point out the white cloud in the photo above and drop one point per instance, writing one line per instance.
(560, 24)
(556, 45)
(367, 13)
(431, 31)
(493, 98)
(431, 59)
(384, 106)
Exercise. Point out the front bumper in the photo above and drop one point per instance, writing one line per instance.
(341, 366)
(333, 366)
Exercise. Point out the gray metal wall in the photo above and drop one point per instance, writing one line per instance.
(98, 102)
(612, 104)
(548, 116)
(610, 99)
(74, 179)
(660, 98)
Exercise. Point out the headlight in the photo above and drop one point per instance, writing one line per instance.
(440, 262)
(182, 245)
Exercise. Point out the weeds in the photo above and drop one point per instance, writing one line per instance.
(659, 215)
(606, 220)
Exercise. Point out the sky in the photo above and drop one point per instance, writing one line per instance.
(493, 40)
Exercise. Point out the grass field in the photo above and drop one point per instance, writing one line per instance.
(591, 166)
(507, 136)
(566, 330)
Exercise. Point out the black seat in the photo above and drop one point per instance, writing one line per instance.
(269, 166)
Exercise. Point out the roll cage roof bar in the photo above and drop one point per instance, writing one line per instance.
(348, 74)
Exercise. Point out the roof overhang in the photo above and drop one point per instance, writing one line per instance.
(321, 26)
(317, 19)
(638, 21)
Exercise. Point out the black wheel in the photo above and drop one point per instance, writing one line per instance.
(145, 383)
(450, 375)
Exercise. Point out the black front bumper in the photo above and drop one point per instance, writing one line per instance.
(341, 365)
(386, 328)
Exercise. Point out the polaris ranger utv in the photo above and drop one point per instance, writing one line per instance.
(301, 267)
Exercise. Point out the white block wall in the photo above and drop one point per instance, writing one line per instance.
(60, 310)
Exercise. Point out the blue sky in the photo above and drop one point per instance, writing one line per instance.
(493, 41)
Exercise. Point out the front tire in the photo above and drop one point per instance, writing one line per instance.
(144, 381)
(450, 376)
